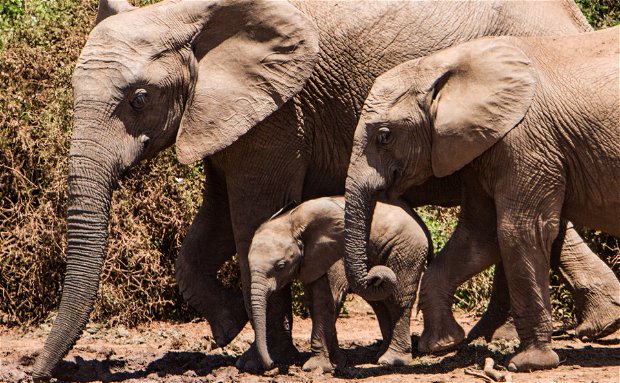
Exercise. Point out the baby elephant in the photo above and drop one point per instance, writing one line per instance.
(307, 243)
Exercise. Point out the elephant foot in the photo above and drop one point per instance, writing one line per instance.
(599, 322)
(225, 329)
(540, 357)
(491, 331)
(395, 358)
(319, 362)
(285, 353)
(441, 337)
(250, 361)
(488, 325)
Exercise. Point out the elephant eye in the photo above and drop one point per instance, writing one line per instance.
(139, 99)
(384, 136)
(279, 266)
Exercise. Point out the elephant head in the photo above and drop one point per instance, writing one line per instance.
(430, 117)
(302, 245)
(198, 73)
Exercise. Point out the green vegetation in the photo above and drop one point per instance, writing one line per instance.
(601, 13)
(40, 41)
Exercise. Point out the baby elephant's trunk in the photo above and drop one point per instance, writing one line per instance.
(261, 291)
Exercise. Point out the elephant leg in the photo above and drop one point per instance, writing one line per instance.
(338, 284)
(595, 288)
(398, 352)
(208, 244)
(471, 249)
(494, 321)
(252, 202)
(385, 324)
(527, 227)
(324, 341)
(593, 285)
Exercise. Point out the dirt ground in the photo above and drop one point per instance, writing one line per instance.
(179, 353)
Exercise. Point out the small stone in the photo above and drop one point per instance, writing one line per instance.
(272, 372)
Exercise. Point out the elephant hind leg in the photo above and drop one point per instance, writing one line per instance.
(594, 287)
(209, 243)
(494, 322)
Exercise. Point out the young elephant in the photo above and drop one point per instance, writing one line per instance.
(307, 243)
(533, 124)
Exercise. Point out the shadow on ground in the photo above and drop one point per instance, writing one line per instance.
(171, 363)
(360, 360)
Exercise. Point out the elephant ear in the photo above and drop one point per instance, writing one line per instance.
(481, 91)
(109, 8)
(252, 56)
(320, 253)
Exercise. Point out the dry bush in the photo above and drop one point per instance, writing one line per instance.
(150, 212)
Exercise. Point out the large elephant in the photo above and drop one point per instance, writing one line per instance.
(307, 242)
(268, 94)
(534, 124)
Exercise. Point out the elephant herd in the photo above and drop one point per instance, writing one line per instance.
(392, 104)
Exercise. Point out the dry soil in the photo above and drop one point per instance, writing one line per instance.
(169, 352)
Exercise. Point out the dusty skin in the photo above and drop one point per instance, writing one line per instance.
(164, 352)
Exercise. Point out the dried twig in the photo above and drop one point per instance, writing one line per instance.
(491, 372)
(478, 375)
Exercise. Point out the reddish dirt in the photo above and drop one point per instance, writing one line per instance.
(166, 352)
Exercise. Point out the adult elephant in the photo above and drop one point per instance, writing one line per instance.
(267, 93)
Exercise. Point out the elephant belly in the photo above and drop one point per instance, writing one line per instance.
(605, 218)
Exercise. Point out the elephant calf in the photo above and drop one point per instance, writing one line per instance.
(307, 243)
(533, 125)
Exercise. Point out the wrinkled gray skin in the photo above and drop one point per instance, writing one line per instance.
(223, 80)
(307, 242)
(592, 284)
(534, 126)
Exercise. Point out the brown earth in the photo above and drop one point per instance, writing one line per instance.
(171, 352)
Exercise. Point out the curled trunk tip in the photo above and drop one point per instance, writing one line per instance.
(360, 200)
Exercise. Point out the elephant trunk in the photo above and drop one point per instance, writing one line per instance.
(89, 196)
(362, 187)
(260, 292)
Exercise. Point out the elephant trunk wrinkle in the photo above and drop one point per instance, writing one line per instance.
(259, 295)
(87, 221)
(360, 200)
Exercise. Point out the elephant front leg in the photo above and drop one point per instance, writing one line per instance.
(471, 249)
(526, 231)
(398, 350)
(252, 202)
(325, 353)
(208, 244)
